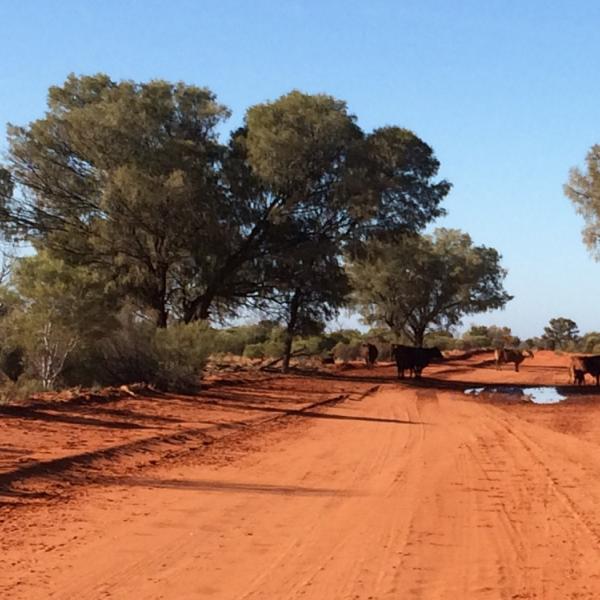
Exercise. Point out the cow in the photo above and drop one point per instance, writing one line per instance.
(509, 355)
(580, 365)
(370, 353)
(413, 359)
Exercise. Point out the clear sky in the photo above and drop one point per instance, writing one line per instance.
(506, 91)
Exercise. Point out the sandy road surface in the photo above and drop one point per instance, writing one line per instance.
(407, 493)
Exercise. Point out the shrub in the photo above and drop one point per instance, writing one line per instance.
(347, 351)
(181, 352)
(126, 355)
(18, 391)
(254, 351)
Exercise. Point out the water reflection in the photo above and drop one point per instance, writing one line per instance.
(537, 395)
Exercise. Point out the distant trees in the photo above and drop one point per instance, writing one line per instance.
(491, 336)
(416, 282)
(561, 334)
(583, 189)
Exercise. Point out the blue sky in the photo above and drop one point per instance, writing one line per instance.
(507, 93)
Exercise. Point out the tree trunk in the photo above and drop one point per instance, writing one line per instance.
(290, 330)
(198, 309)
(419, 335)
(162, 311)
(162, 317)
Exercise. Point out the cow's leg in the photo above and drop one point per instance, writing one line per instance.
(516, 366)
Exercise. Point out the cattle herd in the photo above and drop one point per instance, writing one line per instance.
(413, 360)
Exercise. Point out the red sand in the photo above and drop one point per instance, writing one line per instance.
(333, 486)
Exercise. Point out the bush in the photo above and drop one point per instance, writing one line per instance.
(254, 351)
(470, 342)
(181, 351)
(440, 339)
(126, 356)
(18, 391)
(171, 358)
(347, 351)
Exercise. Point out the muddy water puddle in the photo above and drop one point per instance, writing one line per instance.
(537, 395)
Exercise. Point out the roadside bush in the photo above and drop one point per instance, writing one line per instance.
(470, 342)
(347, 351)
(126, 355)
(181, 352)
(18, 391)
(440, 339)
(254, 351)
(229, 341)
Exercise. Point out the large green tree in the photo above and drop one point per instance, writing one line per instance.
(130, 178)
(583, 189)
(333, 187)
(122, 176)
(417, 282)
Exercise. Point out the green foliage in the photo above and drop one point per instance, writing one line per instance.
(131, 177)
(590, 343)
(266, 349)
(415, 282)
(121, 175)
(347, 351)
(481, 336)
(130, 199)
(54, 309)
(12, 392)
(583, 189)
(181, 352)
(561, 334)
(444, 340)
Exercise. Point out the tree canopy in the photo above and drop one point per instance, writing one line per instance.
(416, 282)
(560, 332)
(132, 179)
(583, 189)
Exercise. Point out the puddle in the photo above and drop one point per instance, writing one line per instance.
(537, 395)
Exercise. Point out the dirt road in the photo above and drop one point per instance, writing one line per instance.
(410, 492)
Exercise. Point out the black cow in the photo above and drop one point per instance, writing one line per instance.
(580, 365)
(370, 353)
(413, 359)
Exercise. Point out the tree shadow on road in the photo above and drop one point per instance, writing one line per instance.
(226, 486)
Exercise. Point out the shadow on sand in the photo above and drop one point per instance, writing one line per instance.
(225, 486)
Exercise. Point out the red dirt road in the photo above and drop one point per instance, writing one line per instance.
(413, 491)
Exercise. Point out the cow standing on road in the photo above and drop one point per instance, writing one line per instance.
(370, 353)
(508, 355)
(580, 365)
(413, 359)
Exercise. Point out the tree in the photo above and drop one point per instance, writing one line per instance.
(493, 335)
(131, 178)
(415, 282)
(61, 308)
(309, 288)
(333, 187)
(560, 332)
(122, 176)
(583, 189)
